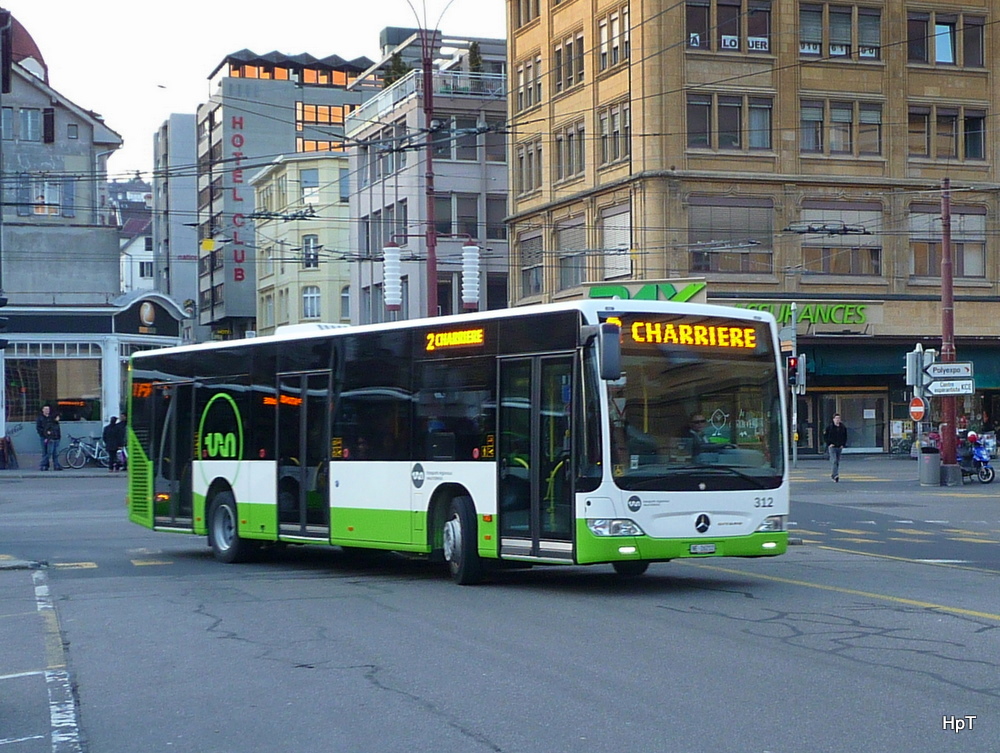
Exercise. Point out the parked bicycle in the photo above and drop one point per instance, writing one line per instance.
(81, 451)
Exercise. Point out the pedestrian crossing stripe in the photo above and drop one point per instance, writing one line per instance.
(74, 565)
(143, 563)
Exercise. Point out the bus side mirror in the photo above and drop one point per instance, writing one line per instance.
(607, 338)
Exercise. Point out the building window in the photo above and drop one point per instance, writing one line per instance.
(529, 83)
(496, 213)
(738, 25)
(345, 303)
(613, 35)
(46, 198)
(567, 63)
(840, 128)
(526, 11)
(496, 141)
(31, 124)
(730, 235)
(852, 33)
(968, 241)
(146, 270)
(569, 153)
(310, 302)
(309, 185)
(616, 132)
(528, 168)
(310, 251)
(531, 263)
(571, 247)
(728, 122)
(616, 241)
(467, 215)
(947, 133)
(946, 39)
(857, 253)
(72, 131)
(344, 183)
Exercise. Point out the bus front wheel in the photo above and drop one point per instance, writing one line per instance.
(460, 543)
(630, 568)
(227, 546)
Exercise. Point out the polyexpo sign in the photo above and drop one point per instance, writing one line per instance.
(949, 370)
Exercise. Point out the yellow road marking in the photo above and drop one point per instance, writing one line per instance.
(906, 559)
(807, 532)
(908, 541)
(964, 532)
(74, 565)
(856, 541)
(142, 563)
(853, 592)
(854, 531)
(6, 557)
(971, 540)
(912, 531)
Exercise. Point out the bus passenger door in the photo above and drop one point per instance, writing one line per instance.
(172, 454)
(533, 461)
(303, 455)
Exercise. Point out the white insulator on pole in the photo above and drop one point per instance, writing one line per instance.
(392, 281)
(470, 276)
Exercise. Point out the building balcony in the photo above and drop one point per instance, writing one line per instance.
(446, 84)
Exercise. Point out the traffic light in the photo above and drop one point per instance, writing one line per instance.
(3, 323)
(792, 370)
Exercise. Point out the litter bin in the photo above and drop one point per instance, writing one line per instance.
(930, 466)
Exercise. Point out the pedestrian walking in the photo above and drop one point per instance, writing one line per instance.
(49, 434)
(835, 437)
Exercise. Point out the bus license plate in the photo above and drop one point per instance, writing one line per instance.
(703, 549)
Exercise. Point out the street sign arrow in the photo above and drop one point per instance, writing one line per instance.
(944, 370)
(951, 387)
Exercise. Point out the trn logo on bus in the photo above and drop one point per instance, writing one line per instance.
(226, 443)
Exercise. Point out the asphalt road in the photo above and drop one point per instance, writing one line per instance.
(130, 640)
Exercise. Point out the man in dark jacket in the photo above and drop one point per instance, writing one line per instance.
(111, 436)
(835, 437)
(49, 434)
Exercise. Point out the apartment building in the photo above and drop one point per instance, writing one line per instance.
(262, 106)
(71, 328)
(781, 151)
(389, 174)
(303, 231)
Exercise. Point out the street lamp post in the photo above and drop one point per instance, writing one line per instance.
(427, 37)
(951, 474)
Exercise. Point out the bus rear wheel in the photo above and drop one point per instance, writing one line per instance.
(227, 546)
(630, 568)
(460, 543)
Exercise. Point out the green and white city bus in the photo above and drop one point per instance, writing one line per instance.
(555, 434)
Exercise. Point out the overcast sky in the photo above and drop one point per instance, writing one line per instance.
(135, 62)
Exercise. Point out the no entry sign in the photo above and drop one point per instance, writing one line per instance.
(918, 409)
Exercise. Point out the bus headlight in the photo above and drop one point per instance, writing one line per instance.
(772, 524)
(614, 527)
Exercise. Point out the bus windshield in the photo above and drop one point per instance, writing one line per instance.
(697, 407)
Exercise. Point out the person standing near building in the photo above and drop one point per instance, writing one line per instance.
(110, 435)
(835, 437)
(49, 433)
